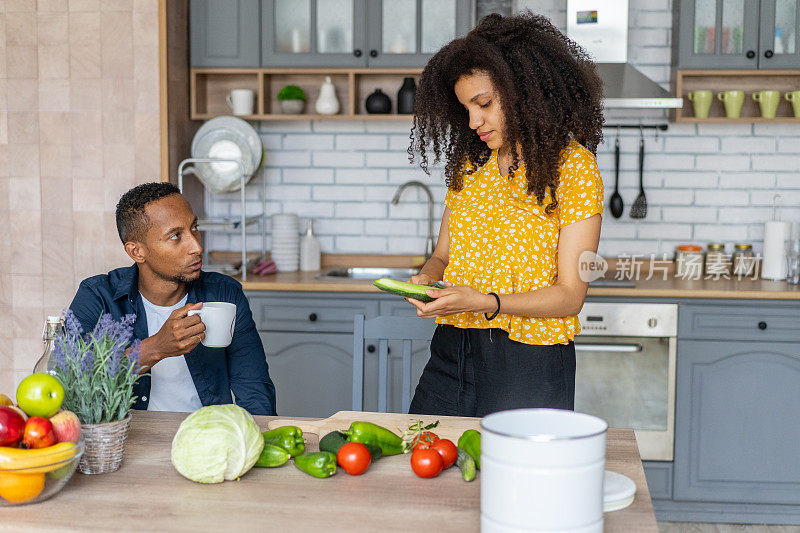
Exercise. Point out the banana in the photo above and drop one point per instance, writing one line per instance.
(37, 461)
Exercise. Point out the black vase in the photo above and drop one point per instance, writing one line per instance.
(405, 97)
(378, 103)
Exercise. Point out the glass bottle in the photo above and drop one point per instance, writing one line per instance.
(51, 326)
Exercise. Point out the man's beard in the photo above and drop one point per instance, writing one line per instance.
(179, 278)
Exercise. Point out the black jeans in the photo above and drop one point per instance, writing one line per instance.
(474, 372)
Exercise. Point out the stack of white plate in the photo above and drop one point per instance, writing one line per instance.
(286, 242)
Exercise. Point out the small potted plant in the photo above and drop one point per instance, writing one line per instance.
(98, 371)
(292, 99)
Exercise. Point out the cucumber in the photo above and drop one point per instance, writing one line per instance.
(467, 465)
(405, 289)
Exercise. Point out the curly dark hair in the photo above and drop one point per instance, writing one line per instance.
(132, 221)
(548, 89)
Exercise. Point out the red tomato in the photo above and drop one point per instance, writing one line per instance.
(426, 462)
(447, 450)
(354, 458)
(425, 440)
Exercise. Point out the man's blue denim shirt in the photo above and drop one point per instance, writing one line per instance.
(241, 367)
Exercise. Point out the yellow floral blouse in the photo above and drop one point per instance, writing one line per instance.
(501, 240)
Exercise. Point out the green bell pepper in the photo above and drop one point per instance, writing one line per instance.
(369, 433)
(317, 464)
(470, 442)
(272, 456)
(290, 438)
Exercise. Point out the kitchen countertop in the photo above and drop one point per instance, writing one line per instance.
(147, 493)
(660, 285)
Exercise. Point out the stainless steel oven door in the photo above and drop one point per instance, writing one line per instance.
(630, 383)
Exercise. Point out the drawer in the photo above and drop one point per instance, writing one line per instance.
(659, 478)
(299, 313)
(745, 323)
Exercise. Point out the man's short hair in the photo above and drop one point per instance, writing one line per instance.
(132, 221)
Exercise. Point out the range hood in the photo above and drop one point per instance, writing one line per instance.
(601, 28)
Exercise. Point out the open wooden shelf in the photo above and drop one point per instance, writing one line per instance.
(749, 81)
(208, 88)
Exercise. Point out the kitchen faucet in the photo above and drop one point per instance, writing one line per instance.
(430, 245)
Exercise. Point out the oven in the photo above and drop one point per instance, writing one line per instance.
(625, 373)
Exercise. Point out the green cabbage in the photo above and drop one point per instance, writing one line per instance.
(215, 443)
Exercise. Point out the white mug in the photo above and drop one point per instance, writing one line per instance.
(542, 470)
(220, 321)
(240, 101)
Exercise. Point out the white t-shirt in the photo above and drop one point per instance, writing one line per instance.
(171, 384)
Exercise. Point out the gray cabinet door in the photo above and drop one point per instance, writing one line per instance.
(312, 372)
(717, 33)
(779, 38)
(737, 427)
(406, 33)
(313, 33)
(225, 33)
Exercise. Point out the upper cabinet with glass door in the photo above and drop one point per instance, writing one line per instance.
(358, 33)
(739, 34)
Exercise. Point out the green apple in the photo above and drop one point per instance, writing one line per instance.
(40, 394)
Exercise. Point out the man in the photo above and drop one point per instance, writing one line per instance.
(159, 231)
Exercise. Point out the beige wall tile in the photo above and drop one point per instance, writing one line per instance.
(116, 5)
(85, 94)
(21, 62)
(87, 161)
(53, 61)
(118, 161)
(26, 246)
(6, 290)
(84, 62)
(26, 289)
(23, 94)
(21, 29)
(55, 128)
(6, 359)
(28, 350)
(53, 28)
(145, 29)
(84, 29)
(5, 239)
(117, 95)
(84, 5)
(25, 320)
(56, 194)
(116, 39)
(118, 128)
(3, 162)
(88, 195)
(55, 161)
(148, 6)
(24, 194)
(88, 127)
(54, 95)
(148, 164)
(5, 204)
(23, 128)
(20, 5)
(89, 252)
(52, 5)
(59, 292)
(23, 160)
(4, 128)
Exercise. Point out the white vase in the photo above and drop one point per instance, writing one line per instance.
(327, 104)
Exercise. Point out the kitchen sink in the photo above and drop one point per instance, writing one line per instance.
(370, 273)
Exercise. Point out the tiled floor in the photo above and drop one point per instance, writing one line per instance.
(697, 527)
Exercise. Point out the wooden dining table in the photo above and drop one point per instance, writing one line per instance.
(148, 494)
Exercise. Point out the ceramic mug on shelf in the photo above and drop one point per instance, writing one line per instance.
(701, 102)
(240, 101)
(219, 319)
(768, 102)
(794, 98)
(733, 101)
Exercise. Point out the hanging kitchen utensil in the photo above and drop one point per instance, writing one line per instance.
(616, 202)
(639, 207)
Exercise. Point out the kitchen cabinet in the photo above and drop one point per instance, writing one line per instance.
(736, 34)
(358, 33)
(224, 34)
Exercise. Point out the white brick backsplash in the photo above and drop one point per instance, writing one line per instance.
(307, 142)
(361, 142)
(704, 182)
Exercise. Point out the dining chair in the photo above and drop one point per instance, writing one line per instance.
(383, 329)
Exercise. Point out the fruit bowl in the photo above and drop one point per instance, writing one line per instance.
(37, 477)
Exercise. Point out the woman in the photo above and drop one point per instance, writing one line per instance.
(514, 109)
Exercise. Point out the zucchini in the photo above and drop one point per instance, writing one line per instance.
(404, 289)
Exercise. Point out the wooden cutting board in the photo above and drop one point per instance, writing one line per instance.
(450, 427)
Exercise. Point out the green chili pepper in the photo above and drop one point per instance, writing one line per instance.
(290, 438)
(317, 464)
(369, 433)
(272, 456)
(470, 442)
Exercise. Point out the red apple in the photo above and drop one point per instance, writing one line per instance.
(20, 411)
(38, 433)
(12, 426)
(66, 426)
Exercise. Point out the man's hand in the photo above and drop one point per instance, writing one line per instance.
(179, 335)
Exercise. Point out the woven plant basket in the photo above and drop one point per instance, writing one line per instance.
(104, 446)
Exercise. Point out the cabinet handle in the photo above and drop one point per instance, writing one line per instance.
(769, 53)
(762, 325)
(312, 317)
(371, 348)
(373, 53)
(357, 52)
(750, 54)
